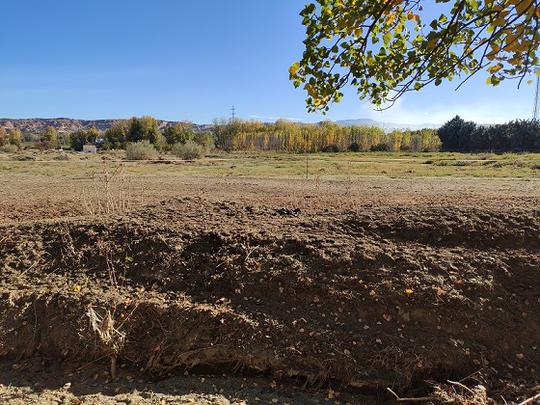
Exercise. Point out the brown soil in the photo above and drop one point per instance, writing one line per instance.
(31, 197)
(349, 300)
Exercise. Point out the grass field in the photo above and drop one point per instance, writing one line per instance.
(271, 165)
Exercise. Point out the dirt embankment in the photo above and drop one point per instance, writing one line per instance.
(365, 300)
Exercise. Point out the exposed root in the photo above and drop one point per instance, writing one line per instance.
(110, 337)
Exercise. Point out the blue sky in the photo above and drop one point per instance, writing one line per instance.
(191, 60)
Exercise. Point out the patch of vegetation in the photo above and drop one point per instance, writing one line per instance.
(458, 135)
(188, 150)
(9, 148)
(293, 137)
(142, 150)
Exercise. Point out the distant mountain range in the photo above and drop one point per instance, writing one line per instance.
(38, 125)
(385, 125)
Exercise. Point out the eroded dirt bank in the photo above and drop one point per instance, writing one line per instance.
(354, 300)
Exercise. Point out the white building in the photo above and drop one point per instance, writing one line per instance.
(89, 148)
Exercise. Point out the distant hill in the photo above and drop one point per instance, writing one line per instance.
(38, 125)
(385, 125)
(63, 125)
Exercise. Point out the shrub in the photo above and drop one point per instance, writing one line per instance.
(380, 147)
(142, 150)
(188, 151)
(9, 148)
(206, 140)
(354, 147)
(332, 148)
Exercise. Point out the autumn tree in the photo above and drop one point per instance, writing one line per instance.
(179, 133)
(3, 137)
(15, 137)
(50, 138)
(144, 129)
(116, 135)
(387, 48)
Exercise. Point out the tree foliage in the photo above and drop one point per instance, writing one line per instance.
(386, 48)
(15, 137)
(284, 136)
(116, 135)
(144, 129)
(3, 137)
(49, 139)
(179, 133)
(81, 137)
(458, 135)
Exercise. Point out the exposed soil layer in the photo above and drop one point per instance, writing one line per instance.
(354, 300)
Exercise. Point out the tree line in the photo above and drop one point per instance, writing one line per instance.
(458, 135)
(293, 137)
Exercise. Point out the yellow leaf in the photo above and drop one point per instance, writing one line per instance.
(294, 68)
(409, 291)
(311, 90)
(77, 288)
(499, 21)
(495, 68)
(331, 393)
(522, 6)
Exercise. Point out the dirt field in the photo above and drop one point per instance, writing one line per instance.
(220, 289)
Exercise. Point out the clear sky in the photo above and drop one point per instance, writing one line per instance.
(191, 60)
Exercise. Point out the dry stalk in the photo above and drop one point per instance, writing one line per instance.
(418, 399)
(110, 337)
(109, 192)
(348, 187)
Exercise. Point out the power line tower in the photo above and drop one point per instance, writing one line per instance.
(233, 113)
(536, 110)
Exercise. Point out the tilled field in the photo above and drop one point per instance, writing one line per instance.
(431, 302)
(31, 197)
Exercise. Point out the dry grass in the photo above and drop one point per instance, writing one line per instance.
(109, 192)
(457, 393)
(111, 338)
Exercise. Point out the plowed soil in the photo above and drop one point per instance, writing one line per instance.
(438, 301)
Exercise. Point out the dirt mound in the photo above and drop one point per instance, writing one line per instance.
(369, 299)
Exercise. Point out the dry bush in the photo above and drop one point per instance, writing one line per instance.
(9, 148)
(188, 151)
(142, 150)
(109, 192)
